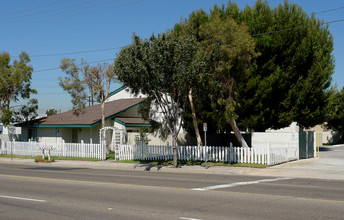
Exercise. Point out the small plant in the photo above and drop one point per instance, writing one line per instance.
(45, 160)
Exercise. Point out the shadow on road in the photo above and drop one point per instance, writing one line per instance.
(148, 167)
(54, 168)
(322, 148)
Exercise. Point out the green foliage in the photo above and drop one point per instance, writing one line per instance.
(225, 51)
(162, 68)
(335, 117)
(74, 84)
(15, 83)
(80, 77)
(51, 112)
(27, 112)
(289, 80)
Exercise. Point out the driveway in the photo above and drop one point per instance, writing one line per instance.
(329, 165)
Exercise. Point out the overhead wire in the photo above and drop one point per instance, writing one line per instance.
(29, 9)
(47, 14)
(77, 52)
(329, 10)
(73, 15)
(56, 68)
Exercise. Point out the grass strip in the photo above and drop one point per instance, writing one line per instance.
(194, 163)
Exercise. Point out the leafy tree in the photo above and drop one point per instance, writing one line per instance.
(27, 112)
(227, 50)
(97, 78)
(51, 112)
(15, 83)
(335, 117)
(291, 79)
(288, 82)
(159, 67)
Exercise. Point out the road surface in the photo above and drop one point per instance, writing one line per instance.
(46, 192)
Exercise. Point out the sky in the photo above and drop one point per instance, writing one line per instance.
(96, 30)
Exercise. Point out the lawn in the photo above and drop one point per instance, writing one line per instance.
(111, 156)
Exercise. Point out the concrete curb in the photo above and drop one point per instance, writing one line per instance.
(310, 168)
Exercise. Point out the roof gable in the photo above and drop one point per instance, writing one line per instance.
(91, 117)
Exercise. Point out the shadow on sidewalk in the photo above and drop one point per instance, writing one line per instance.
(148, 167)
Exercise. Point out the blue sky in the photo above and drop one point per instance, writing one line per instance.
(56, 27)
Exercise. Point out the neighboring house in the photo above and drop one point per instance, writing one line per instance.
(9, 133)
(123, 93)
(122, 114)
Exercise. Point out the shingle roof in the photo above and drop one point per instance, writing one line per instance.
(91, 116)
(133, 120)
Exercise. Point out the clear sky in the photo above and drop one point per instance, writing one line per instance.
(51, 30)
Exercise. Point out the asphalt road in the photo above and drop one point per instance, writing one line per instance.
(45, 192)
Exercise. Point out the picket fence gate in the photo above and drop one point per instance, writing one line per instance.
(267, 155)
(84, 150)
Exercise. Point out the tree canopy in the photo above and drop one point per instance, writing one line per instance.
(335, 116)
(26, 112)
(97, 79)
(15, 83)
(51, 111)
(290, 79)
(160, 67)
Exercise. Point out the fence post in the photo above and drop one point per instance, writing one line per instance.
(12, 148)
(63, 148)
(82, 149)
(268, 154)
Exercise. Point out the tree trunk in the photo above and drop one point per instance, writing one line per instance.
(103, 113)
(237, 134)
(102, 106)
(174, 147)
(194, 119)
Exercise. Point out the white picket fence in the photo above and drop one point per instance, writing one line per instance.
(83, 150)
(267, 155)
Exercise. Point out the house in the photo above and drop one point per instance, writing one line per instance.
(122, 114)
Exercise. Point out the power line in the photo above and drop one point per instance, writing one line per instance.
(73, 15)
(294, 28)
(329, 10)
(56, 9)
(29, 9)
(77, 52)
(56, 68)
(253, 35)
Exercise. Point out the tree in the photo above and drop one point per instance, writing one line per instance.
(335, 116)
(290, 81)
(27, 112)
(98, 78)
(51, 112)
(159, 67)
(227, 49)
(15, 83)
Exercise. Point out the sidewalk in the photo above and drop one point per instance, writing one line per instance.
(319, 168)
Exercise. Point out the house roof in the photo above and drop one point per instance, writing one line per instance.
(91, 117)
(133, 122)
(116, 91)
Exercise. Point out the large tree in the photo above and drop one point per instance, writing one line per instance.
(227, 50)
(80, 77)
(15, 83)
(288, 82)
(161, 68)
(26, 112)
(335, 113)
(291, 79)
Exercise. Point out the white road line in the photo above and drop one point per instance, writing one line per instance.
(185, 218)
(27, 199)
(238, 184)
